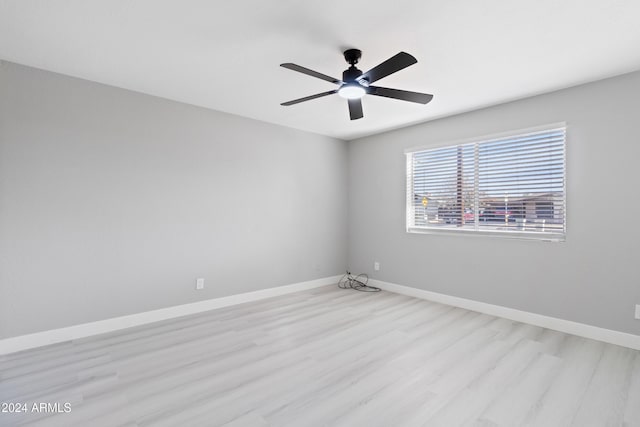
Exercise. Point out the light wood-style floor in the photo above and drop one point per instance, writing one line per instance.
(329, 357)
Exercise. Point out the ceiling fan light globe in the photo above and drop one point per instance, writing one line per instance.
(351, 91)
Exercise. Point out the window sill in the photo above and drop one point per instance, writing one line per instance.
(519, 235)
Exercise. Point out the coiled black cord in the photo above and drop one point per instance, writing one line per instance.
(359, 283)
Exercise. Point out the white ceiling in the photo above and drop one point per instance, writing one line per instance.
(225, 55)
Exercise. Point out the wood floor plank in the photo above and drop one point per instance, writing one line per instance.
(467, 406)
(564, 396)
(632, 407)
(606, 395)
(514, 403)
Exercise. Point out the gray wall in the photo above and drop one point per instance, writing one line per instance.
(114, 202)
(591, 278)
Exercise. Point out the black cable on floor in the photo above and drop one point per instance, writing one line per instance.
(359, 283)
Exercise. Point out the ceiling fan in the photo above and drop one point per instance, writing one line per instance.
(355, 84)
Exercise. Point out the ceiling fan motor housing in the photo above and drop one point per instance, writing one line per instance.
(351, 74)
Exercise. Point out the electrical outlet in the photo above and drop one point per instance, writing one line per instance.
(200, 283)
(376, 266)
(638, 311)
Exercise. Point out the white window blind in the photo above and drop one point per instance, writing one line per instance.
(512, 186)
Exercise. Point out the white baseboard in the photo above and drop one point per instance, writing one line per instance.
(53, 336)
(580, 329)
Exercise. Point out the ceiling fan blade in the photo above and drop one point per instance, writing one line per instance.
(309, 98)
(355, 109)
(309, 72)
(404, 95)
(390, 66)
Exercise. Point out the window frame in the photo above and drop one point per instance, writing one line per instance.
(504, 234)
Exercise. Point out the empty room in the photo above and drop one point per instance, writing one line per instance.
(376, 214)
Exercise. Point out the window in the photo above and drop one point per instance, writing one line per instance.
(512, 186)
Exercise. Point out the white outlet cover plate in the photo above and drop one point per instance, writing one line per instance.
(199, 283)
(637, 311)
